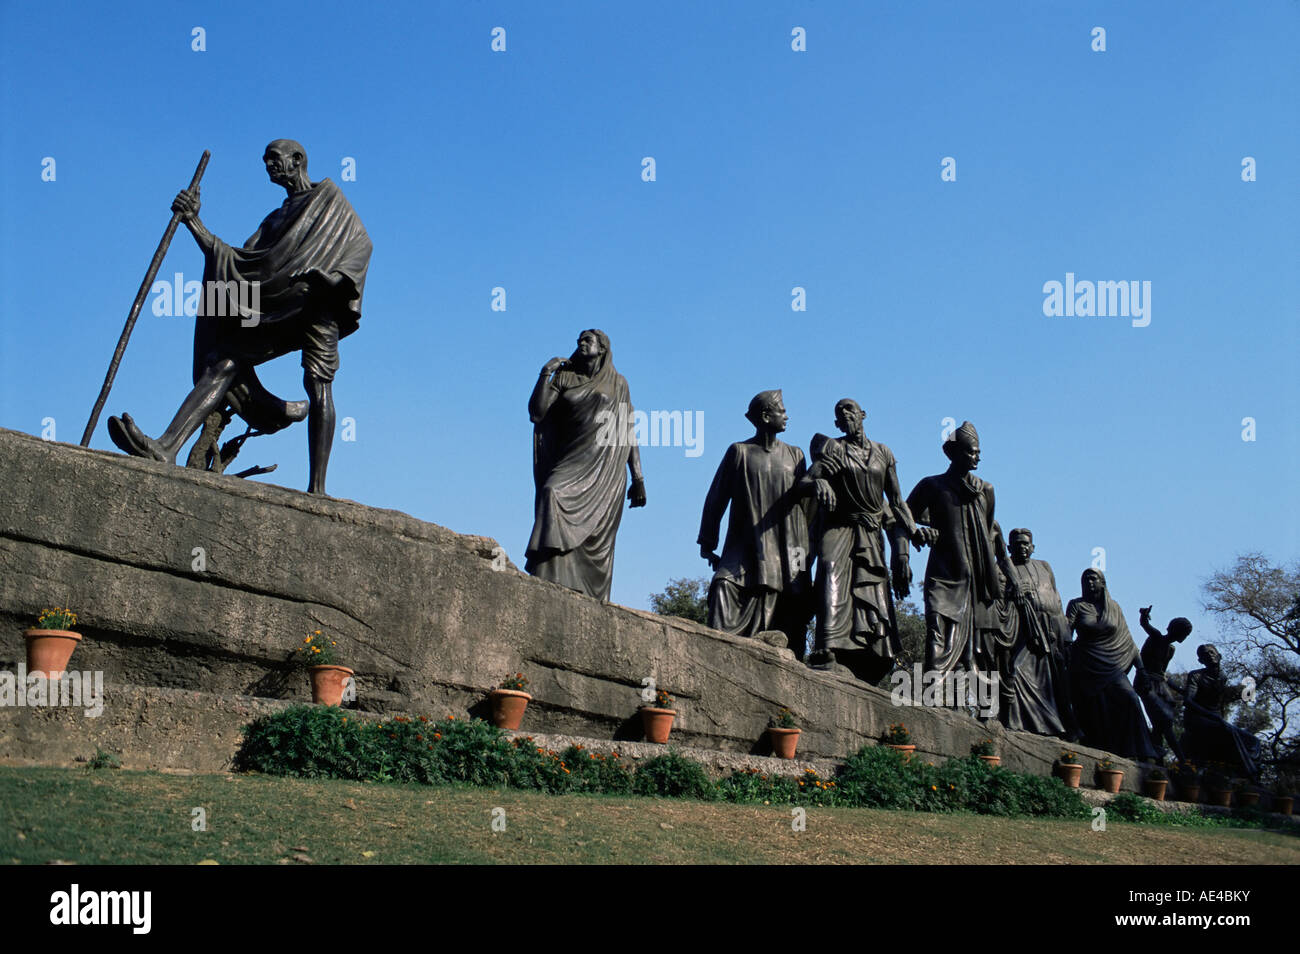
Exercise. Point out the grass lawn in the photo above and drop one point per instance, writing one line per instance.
(120, 817)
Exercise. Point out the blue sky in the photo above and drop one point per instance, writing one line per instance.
(774, 169)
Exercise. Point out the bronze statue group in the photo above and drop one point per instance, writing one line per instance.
(805, 542)
(801, 542)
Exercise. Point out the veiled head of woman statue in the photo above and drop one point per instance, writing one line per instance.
(1094, 584)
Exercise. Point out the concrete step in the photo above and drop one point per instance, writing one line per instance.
(184, 730)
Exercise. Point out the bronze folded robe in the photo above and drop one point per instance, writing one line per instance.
(312, 231)
(580, 455)
(1105, 702)
(962, 582)
(1036, 627)
(766, 552)
(855, 602)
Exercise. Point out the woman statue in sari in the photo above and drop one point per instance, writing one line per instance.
(1106, 706)
(1207, 735)
(583, 438)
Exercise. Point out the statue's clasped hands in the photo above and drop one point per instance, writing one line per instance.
(924, 537)
(825, 495)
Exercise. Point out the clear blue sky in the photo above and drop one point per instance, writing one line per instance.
(775, 169)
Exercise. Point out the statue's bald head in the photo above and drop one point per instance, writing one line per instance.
(286, 148)
(286, 164)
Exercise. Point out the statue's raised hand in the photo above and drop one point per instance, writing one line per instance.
(555, 364)
(187, 204)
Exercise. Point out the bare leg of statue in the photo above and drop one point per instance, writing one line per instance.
(320, 428)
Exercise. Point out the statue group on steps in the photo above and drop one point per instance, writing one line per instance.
(990, 609)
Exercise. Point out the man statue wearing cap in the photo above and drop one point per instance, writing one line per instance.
(761, 579)
(963, 579)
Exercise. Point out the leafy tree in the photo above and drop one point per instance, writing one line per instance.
(684, 597)
(1258, 606)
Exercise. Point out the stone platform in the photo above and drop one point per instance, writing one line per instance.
(201, 583)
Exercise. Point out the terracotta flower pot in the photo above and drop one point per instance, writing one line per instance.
(327, 684)
(993, 761)
(907, 750)
(1189, 792)
(657, 723)
(1068, 772)
(1247, 799)
(1282, 804)
(1110, 779)
(48, 650)
(508, 707)
(1219, 796)
(1155, 788)
(784, 741)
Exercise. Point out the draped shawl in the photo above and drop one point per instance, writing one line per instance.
(1104, 648)
(580, 451)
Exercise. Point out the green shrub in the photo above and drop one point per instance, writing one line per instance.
(1015, 794)
(596, 773)
(753, 786)
(103, 759)
(328, 742)
(966, 784)
(1130, 807)
(672, 776)
(880, 777)
(302, 742)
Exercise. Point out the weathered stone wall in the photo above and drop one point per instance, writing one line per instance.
(416, 609)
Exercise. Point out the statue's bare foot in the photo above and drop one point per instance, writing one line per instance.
(126, 434)
(117, 432)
